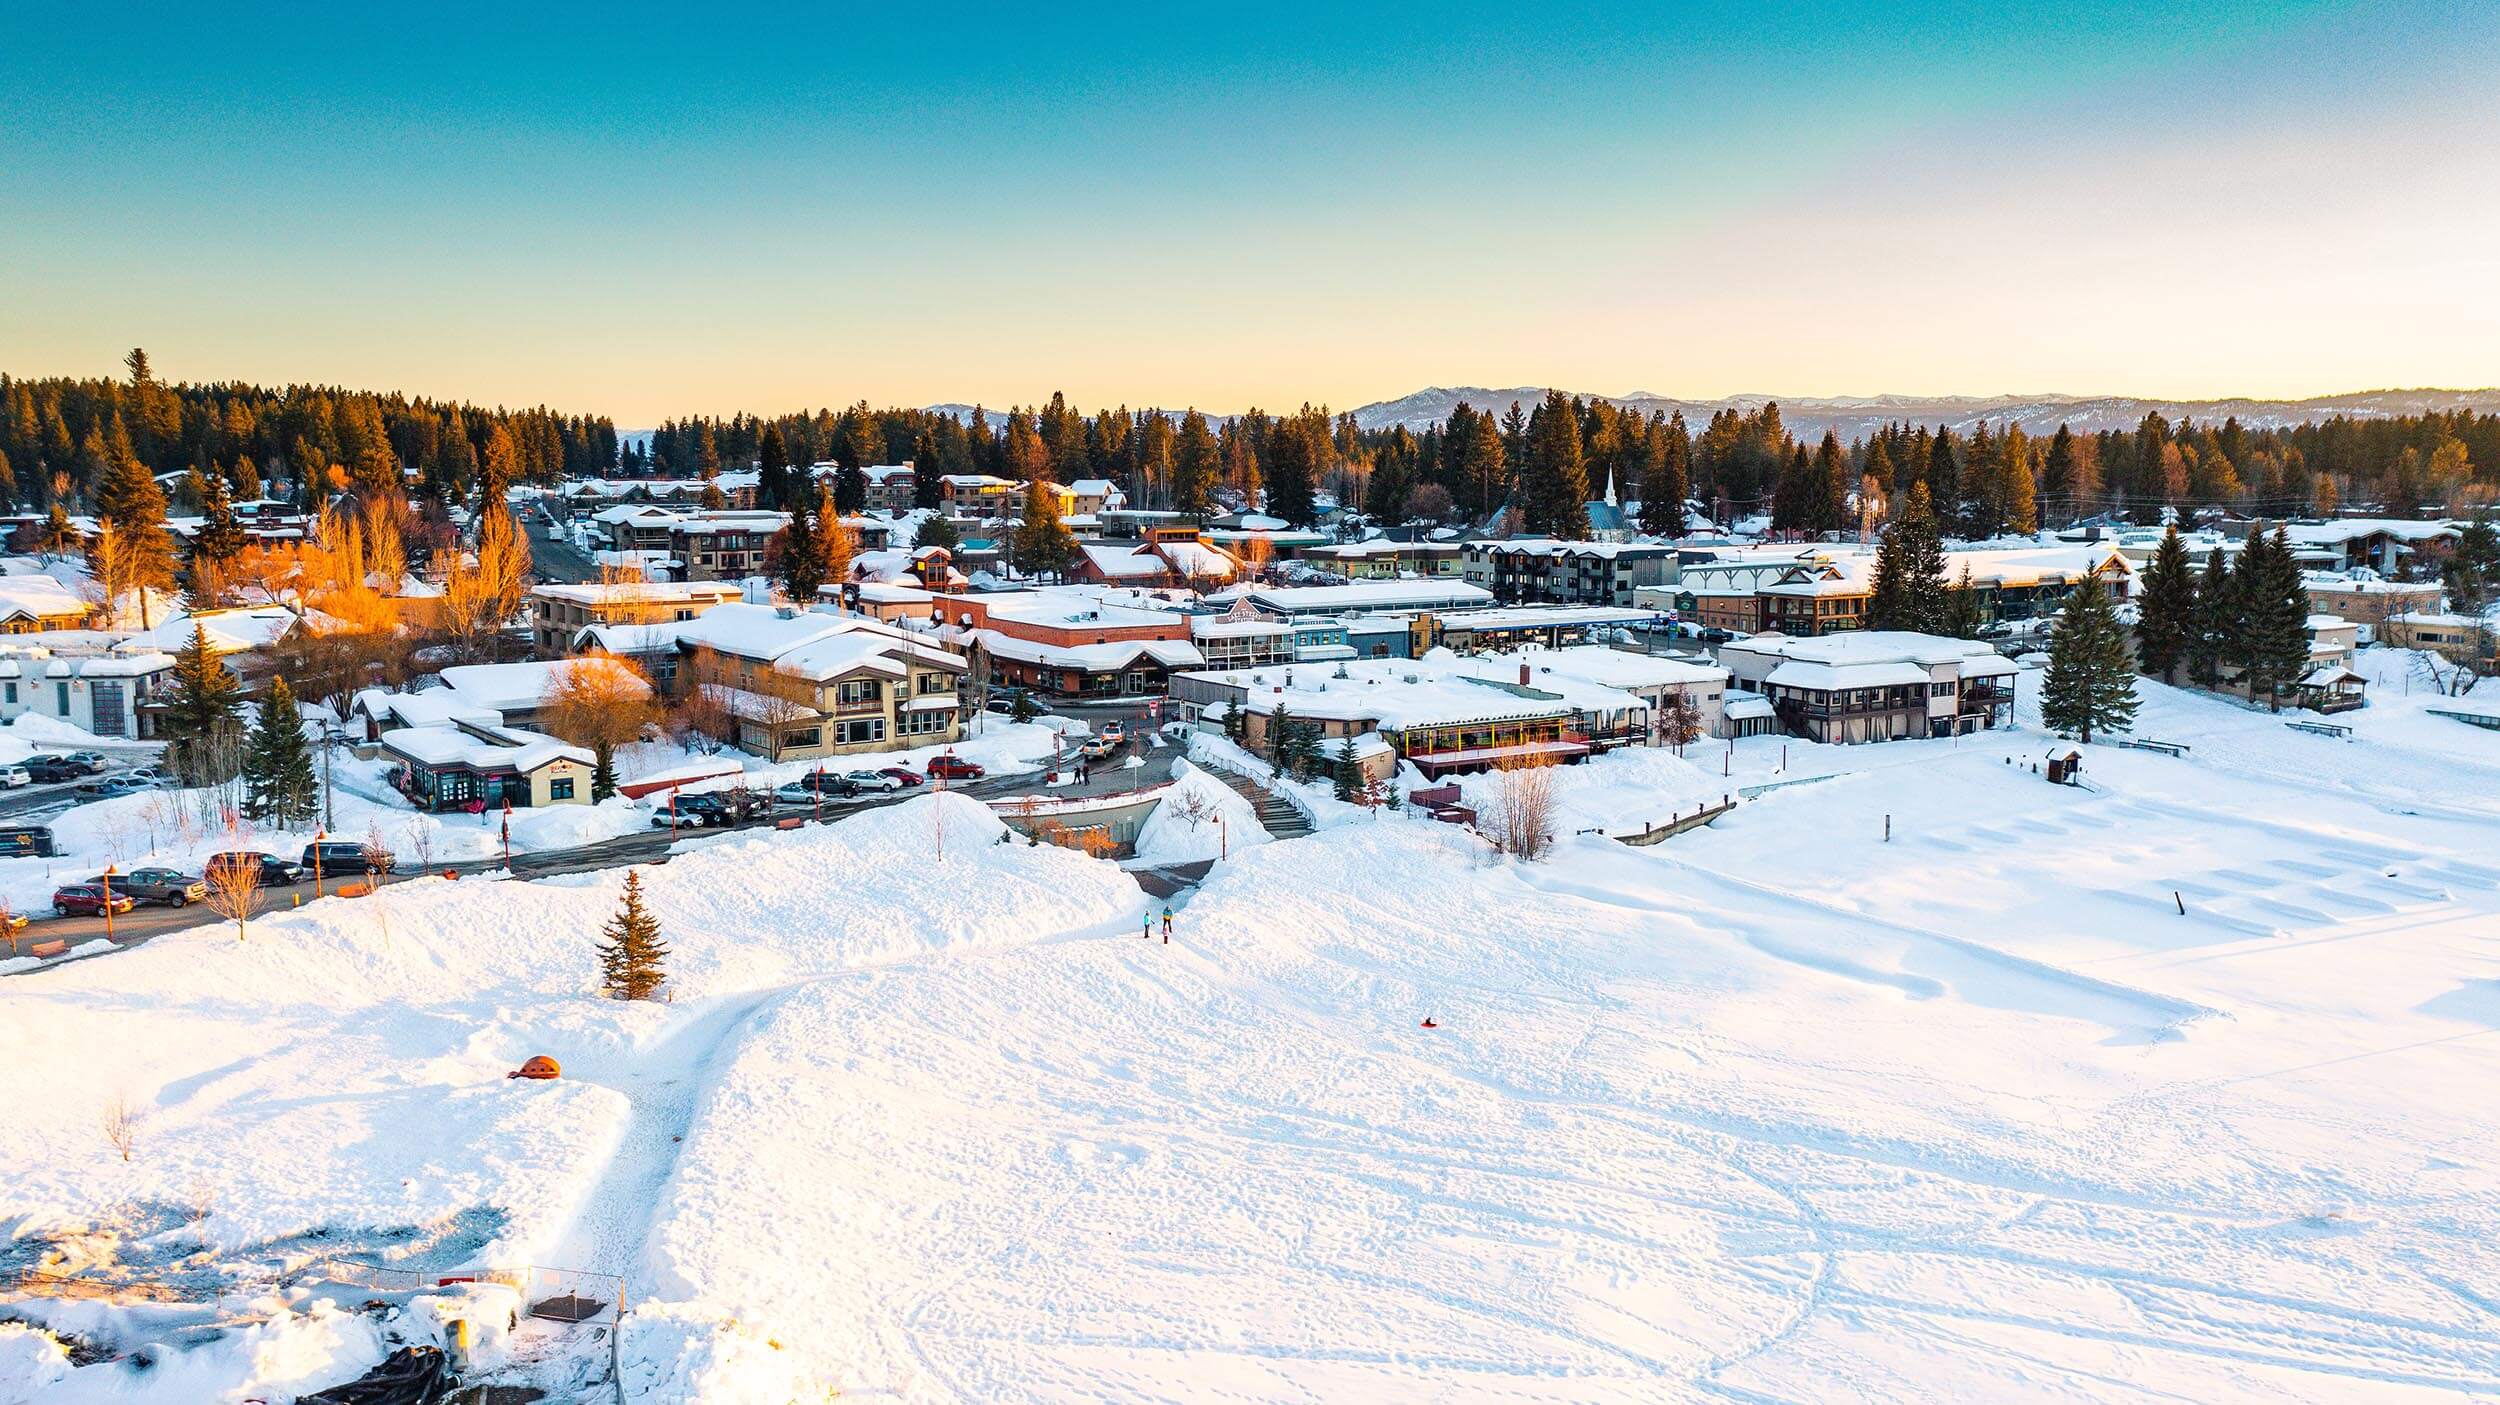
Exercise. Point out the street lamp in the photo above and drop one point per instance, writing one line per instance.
(106, 878)
(318, 836)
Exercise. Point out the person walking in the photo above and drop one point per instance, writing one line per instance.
(1167, 924)
(1146, 926)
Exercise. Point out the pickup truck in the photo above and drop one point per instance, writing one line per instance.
(169, 886)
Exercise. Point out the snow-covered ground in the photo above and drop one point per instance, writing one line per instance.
(181, 830)
(1780, 1109)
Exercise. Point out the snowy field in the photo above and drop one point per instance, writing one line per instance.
(1776, 1110)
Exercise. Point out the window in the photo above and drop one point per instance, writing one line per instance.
(560, 788)
(859, 733)
(857, 691)
(62, 694)
(1940, 690)
(916, 724)
(12, 695)
(804, 737)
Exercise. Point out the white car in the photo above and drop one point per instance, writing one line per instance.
(872, 780)
(15, 776)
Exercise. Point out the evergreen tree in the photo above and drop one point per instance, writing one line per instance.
(1944, 482)
(1196, 460)
(1020, 706)
(937, 529)
(1909, 590)
(2166, 618)
(836, 542)
(1965, 614)
(802, 559)
(2090, 685)
(633, 960)
(1827, 505)
(1669, 481)
(129, 498)
(1347, 773)
(1554, 485)
(1044, 545)
(2216, 621)
(278, 781)
(220, 538)
(1293, 457)
(2473, 569)
(772, 469)
(2271, 648)
(603, 776)
(850, 489)
(199, 720)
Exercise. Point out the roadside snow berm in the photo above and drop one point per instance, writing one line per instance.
(539, 1067)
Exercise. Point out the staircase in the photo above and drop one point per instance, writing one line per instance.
(1276, 814)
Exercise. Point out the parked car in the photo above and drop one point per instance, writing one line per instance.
(170, 886)
(824, 783)
(948, 766)
(25, 841)
(905, 774)
(349, 857)
(106, 787)
(275, 872)
(16, 776)
(88, 900)
(707, 809)
(877, 781)
(155, 776)
(48, 769)
(95, 761)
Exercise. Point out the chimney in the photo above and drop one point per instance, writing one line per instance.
(1523, 673)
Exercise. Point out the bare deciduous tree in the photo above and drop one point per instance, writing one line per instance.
(1520, 821)
(599, 701)
(121, 1125)
(1679, 722)
(234, 888)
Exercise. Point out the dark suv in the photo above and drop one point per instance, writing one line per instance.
(331, 857)
(275, 872)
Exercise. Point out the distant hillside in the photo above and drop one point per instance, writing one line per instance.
(1854, 417)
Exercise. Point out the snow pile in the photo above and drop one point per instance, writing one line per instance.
(1199, 818)
(37, 729)
(290, 1352)
(1621, 792)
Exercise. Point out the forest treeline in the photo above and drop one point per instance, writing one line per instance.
(61, 439)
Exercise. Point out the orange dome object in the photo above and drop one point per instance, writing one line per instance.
(539, 1066)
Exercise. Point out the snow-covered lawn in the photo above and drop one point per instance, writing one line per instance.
(1776, 1110)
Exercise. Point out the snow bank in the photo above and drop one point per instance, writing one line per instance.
(1199, 818)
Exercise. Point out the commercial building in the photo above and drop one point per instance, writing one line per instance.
(812, 683)
(559, 613)
(1875, 685)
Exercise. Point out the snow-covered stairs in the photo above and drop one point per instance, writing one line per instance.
(1276, 814)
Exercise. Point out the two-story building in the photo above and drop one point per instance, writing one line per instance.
(560, 612)
(801, 683)
(1875, 685)
(1070, 643)
(1535, 570)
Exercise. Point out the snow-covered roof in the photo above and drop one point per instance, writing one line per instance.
(1742, 706)
(1093, 487)
(2347, 529)
(431, 708)
(509, 687)
(1543, 616)
(521, 751)
(1822, 677)
(637, 592)
(1110, 655)
(1367, 595)
(1863, 646)
(1440, 690)
(228, 631)
(1118, 562)
(39, 597)
(811, 644)
(1615, 668)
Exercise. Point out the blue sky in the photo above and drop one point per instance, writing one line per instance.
(646, 210)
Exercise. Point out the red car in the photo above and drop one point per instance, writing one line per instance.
(950, 767)
(87, 900)
(907, 776)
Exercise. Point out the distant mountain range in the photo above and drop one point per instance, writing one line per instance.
(1855, 416)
